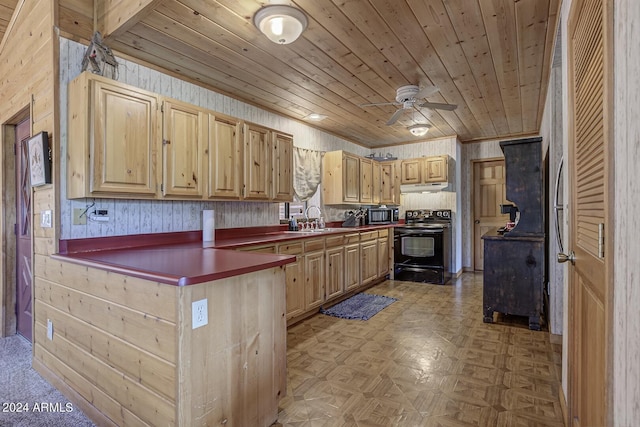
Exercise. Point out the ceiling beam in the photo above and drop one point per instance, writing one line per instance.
(116, 17)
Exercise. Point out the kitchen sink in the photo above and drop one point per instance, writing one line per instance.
(316, 230)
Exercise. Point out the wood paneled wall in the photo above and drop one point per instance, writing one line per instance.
(626, 336)
(28, 66)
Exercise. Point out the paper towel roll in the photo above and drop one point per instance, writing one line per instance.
(208, 225)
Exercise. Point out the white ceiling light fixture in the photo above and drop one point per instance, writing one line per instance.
(419, 129)
(316, 117)
(282, 24)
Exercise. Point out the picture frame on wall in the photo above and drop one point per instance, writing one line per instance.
(39, 161)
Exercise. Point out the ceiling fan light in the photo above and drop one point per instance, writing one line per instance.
(419, 130)
(281, 24)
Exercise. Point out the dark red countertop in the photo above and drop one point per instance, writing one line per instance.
(180, 258)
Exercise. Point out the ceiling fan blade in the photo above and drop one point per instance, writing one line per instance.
(439, 106)
(426, 92)
(395, 117)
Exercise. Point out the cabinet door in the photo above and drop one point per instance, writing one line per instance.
(124, 142)
(314, 279)
(383, 257)
(282, 167)
(335, 272)
(352, 266)
(436, 169)
(387, 183)
(369, 261)
(350, 178)
(294, 277)
(183, 141)
(225, 158)
(376, 183)
(366, 181)
(257, 162)
(411, 171)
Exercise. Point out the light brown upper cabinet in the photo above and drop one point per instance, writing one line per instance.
(225, 157)
(113, 137)
(424, 170)
(366, 181)
(436, 169)
(258, 168)
(411, 171)
(340, 178)
(349, 179)
(389, 184)
(282, 167)
(183, 145)
(117, 133)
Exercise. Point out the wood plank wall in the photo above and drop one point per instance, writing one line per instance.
(114, 340)
(30, 49)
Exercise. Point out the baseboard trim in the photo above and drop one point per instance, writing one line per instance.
(74, 397)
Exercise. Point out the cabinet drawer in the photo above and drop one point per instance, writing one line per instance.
(293, 248)
(335, 241)
(383, 233)
(313, 245)
(351, 238)
(368, 235)
(266, 249)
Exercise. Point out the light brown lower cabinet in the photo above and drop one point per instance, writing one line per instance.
(294, 276)
(352, 266)
(327, 268)
(314, 279)
(335, 272)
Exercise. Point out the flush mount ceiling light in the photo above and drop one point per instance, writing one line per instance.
(316, 117)
(282, 24)
(419, 129)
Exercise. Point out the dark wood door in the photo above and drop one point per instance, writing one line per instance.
(23, 233)
(590, 282)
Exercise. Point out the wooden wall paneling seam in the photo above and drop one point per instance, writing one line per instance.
(153, 335)
(154, 299)
(151, 407)
(144, 367)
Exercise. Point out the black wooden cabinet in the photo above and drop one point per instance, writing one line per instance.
(514, 262)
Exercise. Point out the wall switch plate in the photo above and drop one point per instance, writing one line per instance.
(77, 219)
(199, 313)
(45, 218)
(49, 329)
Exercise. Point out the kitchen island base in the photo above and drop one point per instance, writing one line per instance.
(124, 351)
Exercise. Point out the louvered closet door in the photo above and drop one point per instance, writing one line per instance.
(590, 283)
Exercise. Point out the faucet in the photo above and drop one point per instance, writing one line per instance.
(306, 214)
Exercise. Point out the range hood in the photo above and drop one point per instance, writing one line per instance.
(432, 187)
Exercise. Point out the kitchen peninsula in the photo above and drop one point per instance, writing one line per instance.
(121, 310)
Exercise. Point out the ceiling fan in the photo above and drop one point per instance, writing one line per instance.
(407, 97)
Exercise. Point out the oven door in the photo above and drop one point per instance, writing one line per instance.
(419, 247)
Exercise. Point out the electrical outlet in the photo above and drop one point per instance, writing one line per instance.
(199, 313)
(49, 329)
(77, 219)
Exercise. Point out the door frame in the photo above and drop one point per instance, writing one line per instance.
(8, 318)
(609, 210)
(473, 204)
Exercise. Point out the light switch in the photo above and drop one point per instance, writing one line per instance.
(45, 219)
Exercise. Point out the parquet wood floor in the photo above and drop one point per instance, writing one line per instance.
(426, 360)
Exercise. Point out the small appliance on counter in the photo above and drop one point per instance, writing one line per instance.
(382, 215)
(422, 247)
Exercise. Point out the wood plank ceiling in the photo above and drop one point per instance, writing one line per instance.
(492, 58)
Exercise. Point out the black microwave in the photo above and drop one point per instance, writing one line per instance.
(382, 215)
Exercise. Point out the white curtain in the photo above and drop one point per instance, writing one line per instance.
(306, 172)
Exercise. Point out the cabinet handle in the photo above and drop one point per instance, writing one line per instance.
(166, 142)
